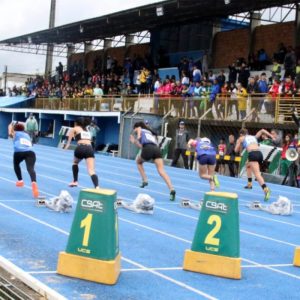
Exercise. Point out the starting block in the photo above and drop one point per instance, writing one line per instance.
(92, 252)
(297, 257)
(40, 201)
(186, 203)
(143, 204)
(216, 245)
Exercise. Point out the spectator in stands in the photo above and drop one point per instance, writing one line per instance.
(263, 89)
(145, 73)
(196, 74)
(244, 74)
(288, 88)
(221, 78)
(178, 102)
(215, 90)
(297, 79)
(138, 83)
(274, 93)
(97, 91)
(280, 53)
(232, 73)
(252, 61)
(109, 62)
(31, 127)
(253, 90)
(181, 140)
(290, 63)
(211, 76)
(262, 59)
(242, 101)
(196, 98)
(276, 70)
(184, 79)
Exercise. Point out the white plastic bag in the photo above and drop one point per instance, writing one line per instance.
(143, 204)
(283, 206)
(62, 203)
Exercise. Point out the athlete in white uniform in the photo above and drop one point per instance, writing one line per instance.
(255, 158)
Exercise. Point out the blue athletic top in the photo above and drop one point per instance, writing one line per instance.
(249, 139)
(147, 137)
(22, 142)
(205, 147)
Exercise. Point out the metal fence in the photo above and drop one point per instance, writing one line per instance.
(256, 107)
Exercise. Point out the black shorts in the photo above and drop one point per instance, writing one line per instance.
(255, 156)
(84, 151)
(150, 151)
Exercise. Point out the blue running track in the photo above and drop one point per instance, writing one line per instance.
(152, 246)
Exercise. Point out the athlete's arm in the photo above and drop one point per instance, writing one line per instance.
(71, 135)
(11, 132)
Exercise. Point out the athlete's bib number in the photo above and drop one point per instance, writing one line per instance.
(85, 135)
(150, 138)
(25, 142)
(210, 238)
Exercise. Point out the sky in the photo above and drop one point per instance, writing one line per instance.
(20, 17)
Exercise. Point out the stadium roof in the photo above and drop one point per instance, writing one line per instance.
(141, 19)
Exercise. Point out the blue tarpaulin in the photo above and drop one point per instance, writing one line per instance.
(14, 101)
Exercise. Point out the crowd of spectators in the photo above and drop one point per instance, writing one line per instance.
(199, 90)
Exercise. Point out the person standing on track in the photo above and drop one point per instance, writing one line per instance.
(23, 150)
(84, 150)
(255, 158)
(146, 140)
(206, 156)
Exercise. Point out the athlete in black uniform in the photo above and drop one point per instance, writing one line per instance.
(84, 150)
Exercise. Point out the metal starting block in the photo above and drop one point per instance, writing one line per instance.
(119, 203)
(191, 204)
(255, 205)
(41, 201)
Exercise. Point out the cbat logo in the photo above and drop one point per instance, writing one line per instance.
(92, 205)
(217, 206)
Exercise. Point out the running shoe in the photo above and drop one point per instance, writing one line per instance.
(248, 186)
(172, 195)
(267, 193)
(35, 190)
(20, 183)
(144, 183)
(216, 181)
(73, 184)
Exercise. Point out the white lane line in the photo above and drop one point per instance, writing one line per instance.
(150, 229)
(170, 268)
(241, 230)
(263, 266)
(179, 283)
(184, 215)
(201, 183)
(126, 163)
(153, 191)
(192, 175)
(272, 269)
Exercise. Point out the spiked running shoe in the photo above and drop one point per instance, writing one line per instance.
(144, 183)
(35, 190)
(73, 184)
(172, 195)
(248, 186)
(216, 181)
(267, 194)
(20, 183)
